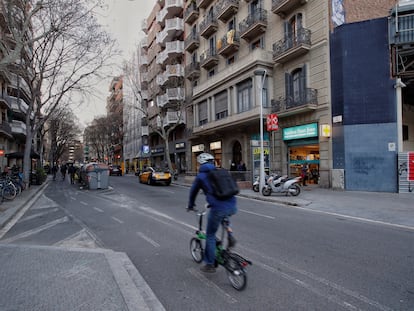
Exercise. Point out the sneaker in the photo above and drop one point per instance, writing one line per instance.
(208, 269)
(231, 241)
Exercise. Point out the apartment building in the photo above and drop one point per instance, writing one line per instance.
(162, 86)
(291, 59)
(14, 103)
(231, 47)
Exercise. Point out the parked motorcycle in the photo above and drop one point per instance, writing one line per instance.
(282, 184)
(256, 184)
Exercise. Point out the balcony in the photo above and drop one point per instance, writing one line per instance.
(144, 130)
(144, 94)
(209, 59)
(18, 105)
(192, 71)
(208, 26)
(171, 9)
(284, 7)
(306, 102)
(173, 29)
(172, 95)
(254, 25)
(144, 43)
(4, 101)
(143, 62)
(174, 117)
(191, 13)
(192, 42)
(144, 26)
(170, 72)
(173, 50)
(144, 80)
(5, 129)
(18, 128)
(292, 47)
(229, 44)
(227, 9)
(202, 4)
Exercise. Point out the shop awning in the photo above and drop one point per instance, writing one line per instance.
(20, 155)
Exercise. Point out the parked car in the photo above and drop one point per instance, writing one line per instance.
(153, 176)
(115, 170)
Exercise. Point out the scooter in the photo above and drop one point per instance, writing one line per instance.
(282, 184)
(256, 184)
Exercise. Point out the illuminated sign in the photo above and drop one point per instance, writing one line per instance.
(197, 148)
(301, 131)
(215, 145)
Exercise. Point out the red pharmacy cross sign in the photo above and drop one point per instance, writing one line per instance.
(410, 167)
(272, 122)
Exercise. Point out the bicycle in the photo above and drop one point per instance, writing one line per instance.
(234, 264)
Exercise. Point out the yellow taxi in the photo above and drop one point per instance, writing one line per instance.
(152, 176)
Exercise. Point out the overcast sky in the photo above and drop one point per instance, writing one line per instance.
(123, 20)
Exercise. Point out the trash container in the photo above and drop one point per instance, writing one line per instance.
(97, 176)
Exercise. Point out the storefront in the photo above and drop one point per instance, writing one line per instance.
(195, 151)
(303, 147)
(215, 149)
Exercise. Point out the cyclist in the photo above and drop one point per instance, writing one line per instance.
(219, 209)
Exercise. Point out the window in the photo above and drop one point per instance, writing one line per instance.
(202, 113)
(258, 44)
(220, 105)
(292, 28)
(230, 60)
(295, 87)
(405, 132)
(244, 95)
(211, 73)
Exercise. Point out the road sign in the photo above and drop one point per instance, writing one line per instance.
(272, 122)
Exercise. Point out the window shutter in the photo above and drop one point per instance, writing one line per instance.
(202, 112)
(302, 82)
(220, 101)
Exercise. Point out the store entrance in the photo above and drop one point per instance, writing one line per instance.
(299, 155)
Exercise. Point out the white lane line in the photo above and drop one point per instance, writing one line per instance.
(36, 230)
(84, 203)
(210, 284)
(117, 220)
(152, 242)
(257, 214)
(98, 209)
(39, 214)
(73, 198)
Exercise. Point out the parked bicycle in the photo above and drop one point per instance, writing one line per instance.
(234, 264)
(7, 189)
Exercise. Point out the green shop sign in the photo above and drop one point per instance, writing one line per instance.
(301, 131)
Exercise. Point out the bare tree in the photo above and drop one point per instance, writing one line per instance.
(97, 137)
(70, 50)
(161, 119)
(63, 129)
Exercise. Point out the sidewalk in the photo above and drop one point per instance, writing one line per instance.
(49, 278)
(394, 209)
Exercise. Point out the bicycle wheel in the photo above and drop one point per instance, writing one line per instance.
(236, 274)
(196, 250)
(9, 192)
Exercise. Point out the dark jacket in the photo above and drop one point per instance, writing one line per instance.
(201, 182)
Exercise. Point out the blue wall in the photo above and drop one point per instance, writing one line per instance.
(363, 94)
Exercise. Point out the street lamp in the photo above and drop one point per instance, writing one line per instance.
(258, 73)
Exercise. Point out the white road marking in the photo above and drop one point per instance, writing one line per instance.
(117, 220)
(37, 230)
(84, 203)
(39, 214)
(257, 214)
(210, 284)
(98, 209)
(152, 242)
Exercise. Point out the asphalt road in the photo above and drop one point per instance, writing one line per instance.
(301, 260)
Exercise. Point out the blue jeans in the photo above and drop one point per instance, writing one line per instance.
(215, 216)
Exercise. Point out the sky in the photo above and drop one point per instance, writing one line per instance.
(123, 19)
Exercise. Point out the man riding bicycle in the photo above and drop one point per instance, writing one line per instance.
(219, 209)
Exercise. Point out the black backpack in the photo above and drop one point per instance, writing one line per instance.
(223, 184)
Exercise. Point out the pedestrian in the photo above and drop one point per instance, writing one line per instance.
(241, 167)
(304, 173)
(219, 209)
(54, 171)
(63, 170)
(71, 172)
